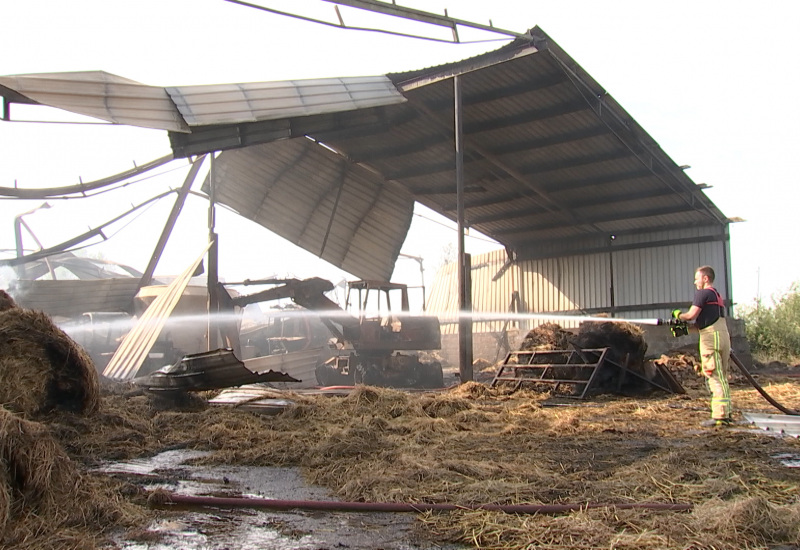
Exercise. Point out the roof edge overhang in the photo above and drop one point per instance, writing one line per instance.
(450, 70)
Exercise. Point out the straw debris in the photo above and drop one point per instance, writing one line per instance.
(470, 445)
(44, 498)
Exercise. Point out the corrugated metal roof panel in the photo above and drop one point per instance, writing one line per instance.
(255, 101)
(101, 95)
(318, 200)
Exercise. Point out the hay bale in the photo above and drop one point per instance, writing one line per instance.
(6, 301)
(547, 336)
(41, 368)
(625, 340)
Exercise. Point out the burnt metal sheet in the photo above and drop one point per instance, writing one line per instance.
(319, 200)
(209, 370)
(297, 364)
(100, 95)
(775, 423)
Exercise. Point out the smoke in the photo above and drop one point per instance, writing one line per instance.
(8, 282)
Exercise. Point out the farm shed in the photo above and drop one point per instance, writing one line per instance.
(554, 169)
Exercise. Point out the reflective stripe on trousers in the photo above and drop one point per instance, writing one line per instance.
(715, 352)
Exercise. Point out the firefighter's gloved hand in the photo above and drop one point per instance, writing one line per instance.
(676, 314)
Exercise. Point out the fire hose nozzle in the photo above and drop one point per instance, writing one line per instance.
(676, 326)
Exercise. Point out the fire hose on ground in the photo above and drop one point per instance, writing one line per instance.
(163, 498)
(761, 390)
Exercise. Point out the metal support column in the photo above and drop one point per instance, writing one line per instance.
(726, 255)
(464, 290)
(213, 267)
(147, 276)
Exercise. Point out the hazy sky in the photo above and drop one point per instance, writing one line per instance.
(713, 82)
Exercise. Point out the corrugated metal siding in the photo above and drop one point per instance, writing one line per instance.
(647, 282)
(101, 95)
(251, 102)
(291, 188)
(664, 274)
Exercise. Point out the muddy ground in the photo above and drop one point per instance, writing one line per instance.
(466, 445)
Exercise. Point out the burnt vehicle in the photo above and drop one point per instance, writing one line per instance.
(369, 334)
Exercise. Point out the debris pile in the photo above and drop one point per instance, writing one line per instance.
(624, 370)
(684, 367)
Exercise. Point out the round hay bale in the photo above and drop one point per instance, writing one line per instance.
(41, 368)
(6, 301)
(547, 336)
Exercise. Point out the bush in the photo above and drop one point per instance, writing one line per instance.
(775, 331)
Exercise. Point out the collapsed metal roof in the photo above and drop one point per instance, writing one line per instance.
(554, 166)
(116, 99)
(315, 198)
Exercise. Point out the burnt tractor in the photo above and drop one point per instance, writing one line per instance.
(368, 335)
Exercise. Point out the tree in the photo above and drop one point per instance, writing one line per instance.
(775, 331)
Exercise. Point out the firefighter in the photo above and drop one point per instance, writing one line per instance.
(715, 344)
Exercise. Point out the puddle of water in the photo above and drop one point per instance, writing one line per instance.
(788, 459)
(248, 529)
(168, 460)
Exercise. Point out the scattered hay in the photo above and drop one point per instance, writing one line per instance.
(474, 445)
(750, 518)
(43, 495)
(471, 390)
(41, 368)
(443, 406)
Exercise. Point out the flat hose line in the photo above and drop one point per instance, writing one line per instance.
(761, 390)
(159, 498)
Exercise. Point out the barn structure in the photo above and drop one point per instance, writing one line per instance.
(593, 214)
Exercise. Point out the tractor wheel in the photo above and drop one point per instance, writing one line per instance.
(330, 376)
(431, 375)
